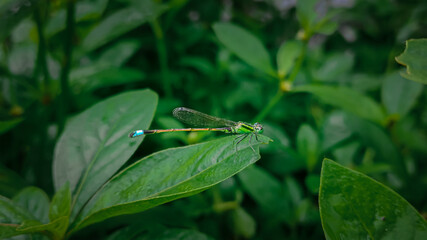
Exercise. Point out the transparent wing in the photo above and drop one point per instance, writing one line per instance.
(198, 119)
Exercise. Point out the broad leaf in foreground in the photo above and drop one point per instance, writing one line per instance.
(95, 143)
(354, 206)
(168, 175)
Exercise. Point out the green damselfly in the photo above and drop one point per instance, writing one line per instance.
(206, 122)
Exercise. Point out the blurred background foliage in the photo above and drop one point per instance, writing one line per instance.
(60, 57)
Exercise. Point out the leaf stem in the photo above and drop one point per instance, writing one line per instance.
(284, 85)
(65, 96)
(162, 54)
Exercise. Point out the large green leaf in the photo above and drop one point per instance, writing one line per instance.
(95, 143)
(12, 12)
(414, 58)
(168, 175)
(347, 99)
(121, 22)
(354, 206)
(245, 45)
(35, 201)
(399, 95)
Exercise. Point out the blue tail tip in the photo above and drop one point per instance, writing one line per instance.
(136, 133)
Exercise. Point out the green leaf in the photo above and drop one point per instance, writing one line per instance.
(118, 54)
(11, 216)
(347, 99)
(312, 181)
(242, 223)
(61, 203)
(399, 95)
(354, 206)
(376, 138)
(245, 45)
(54, 230)
(335, 67)
(35, 201)
(12, 12)
(306, 14)
(168, 175)
(7, 125)
(308, 145)
(95, 143)
(99, 75)
(266, 191)
(10, 182)
(414, 58)
(85, 10)
(121, 22)
(288, 53)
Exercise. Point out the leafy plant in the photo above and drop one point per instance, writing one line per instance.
(322, 77)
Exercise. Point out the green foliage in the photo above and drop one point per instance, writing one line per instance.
(76, 77)
(414, 59)
(353, 205)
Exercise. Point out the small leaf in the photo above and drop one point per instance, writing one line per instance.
(10, 182)
(12, 12)
(414, 58)
(242, 223)
(308, 145)
(168, 175)
(54, 229)
(35, 201)
(7, 125)
(376, 138)
(266, 191)
(86, 80)
(312, 181)
(95, 143)
(245, 45)
(346, 99)
(121, 22)
(306, 13)
(354, 206)
(11, 216)
(61, 203)
(288, 53)
(118, 54)
(85, 10)
(399, 95)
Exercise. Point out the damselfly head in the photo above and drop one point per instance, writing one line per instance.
(258, 127)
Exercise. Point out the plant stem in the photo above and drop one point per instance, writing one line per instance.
(65, 96)
(281, 91)
(162, 54)
(41, 52)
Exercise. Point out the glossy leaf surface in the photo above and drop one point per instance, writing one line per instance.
(354, 206)
(95, 143)
(168, 175)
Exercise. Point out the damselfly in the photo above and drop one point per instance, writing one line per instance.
(205, 122)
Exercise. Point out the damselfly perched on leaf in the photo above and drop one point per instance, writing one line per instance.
(205, 122)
